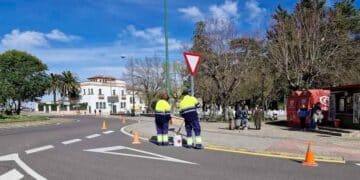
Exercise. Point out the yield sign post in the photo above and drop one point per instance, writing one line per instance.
(192, 61)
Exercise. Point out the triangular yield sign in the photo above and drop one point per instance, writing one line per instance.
(192, 61)
(147, 155)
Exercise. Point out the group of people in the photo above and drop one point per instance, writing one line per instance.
(242, 117)
(188, 105)
(315, 115)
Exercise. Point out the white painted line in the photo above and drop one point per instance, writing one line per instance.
(108, 132)
(13, 175)
(108, 150)
(93, 136)
(71, 141)
(358, 164)
(42, 148)
(128, 134)
(19, 162)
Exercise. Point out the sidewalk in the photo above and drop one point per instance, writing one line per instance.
(270, 139)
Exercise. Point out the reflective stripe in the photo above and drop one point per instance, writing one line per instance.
(187, 110)
(165, 138)
(198, 140)
(162, 113)
(189, 141)
(159, 138)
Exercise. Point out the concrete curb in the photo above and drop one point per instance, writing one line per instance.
(281, 155)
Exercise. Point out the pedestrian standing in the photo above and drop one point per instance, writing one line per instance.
(95, 111)
(231, 116)
(238, 118)
(162, 118)
(257, 115)
(99, 112)
(188, 105)
(316, 115)
(303, 113)
(245, 117)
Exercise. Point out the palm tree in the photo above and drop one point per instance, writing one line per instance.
(69, 86)
(55, 85)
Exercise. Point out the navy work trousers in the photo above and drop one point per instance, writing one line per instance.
(162, 123)
(192, 123)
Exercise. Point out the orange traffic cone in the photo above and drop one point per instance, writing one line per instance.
(310, 158)
(136, 138)
(104, 125)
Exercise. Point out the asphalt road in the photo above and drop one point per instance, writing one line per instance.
(81, 150)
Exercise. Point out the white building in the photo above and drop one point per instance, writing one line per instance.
(109, 95)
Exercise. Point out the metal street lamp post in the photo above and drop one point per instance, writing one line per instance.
(132, 85)
(167, 81)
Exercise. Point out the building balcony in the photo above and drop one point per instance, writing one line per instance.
(101, 96)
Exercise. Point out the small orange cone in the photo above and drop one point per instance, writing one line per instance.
(310, 157)
(136, 138)
(104, 125)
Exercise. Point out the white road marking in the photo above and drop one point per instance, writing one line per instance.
(93, 136)
(128, 134)
(13, 175)
(358, 164)
(107, 150)
(19, 162)
(108, 132)
(71, 141)
(42, 148)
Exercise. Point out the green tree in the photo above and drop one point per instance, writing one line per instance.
(24, 75)
(314, 46)
(69, 86)
(55, 85)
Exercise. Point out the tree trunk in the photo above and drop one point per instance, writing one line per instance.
(54, 96)
(18, 108)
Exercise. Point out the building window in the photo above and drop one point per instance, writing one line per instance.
(114, 92)
(92, 91)
(104, 105)
(89, 91)
(84, 91)
(97, 105)
(100, 93)
(122, 92)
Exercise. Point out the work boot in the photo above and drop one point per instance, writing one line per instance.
(198, 146)
(188, 146)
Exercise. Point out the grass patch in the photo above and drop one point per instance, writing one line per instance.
(21, 118)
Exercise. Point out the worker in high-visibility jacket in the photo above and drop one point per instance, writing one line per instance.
(188, 106)
(162, 118)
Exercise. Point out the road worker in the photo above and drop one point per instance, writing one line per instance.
(162, 118)
(188, 105)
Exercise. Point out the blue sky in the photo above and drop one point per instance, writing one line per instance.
(89, 37)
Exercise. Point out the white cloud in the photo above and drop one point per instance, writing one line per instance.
(192, 13)
(255, 11)
(26, 39)
(154, 36)
(57, 35)
(226, 11)
(33, 39)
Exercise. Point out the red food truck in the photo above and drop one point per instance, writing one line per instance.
(308, 98)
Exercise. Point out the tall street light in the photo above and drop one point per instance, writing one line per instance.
(167, 81)
(131, 62)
